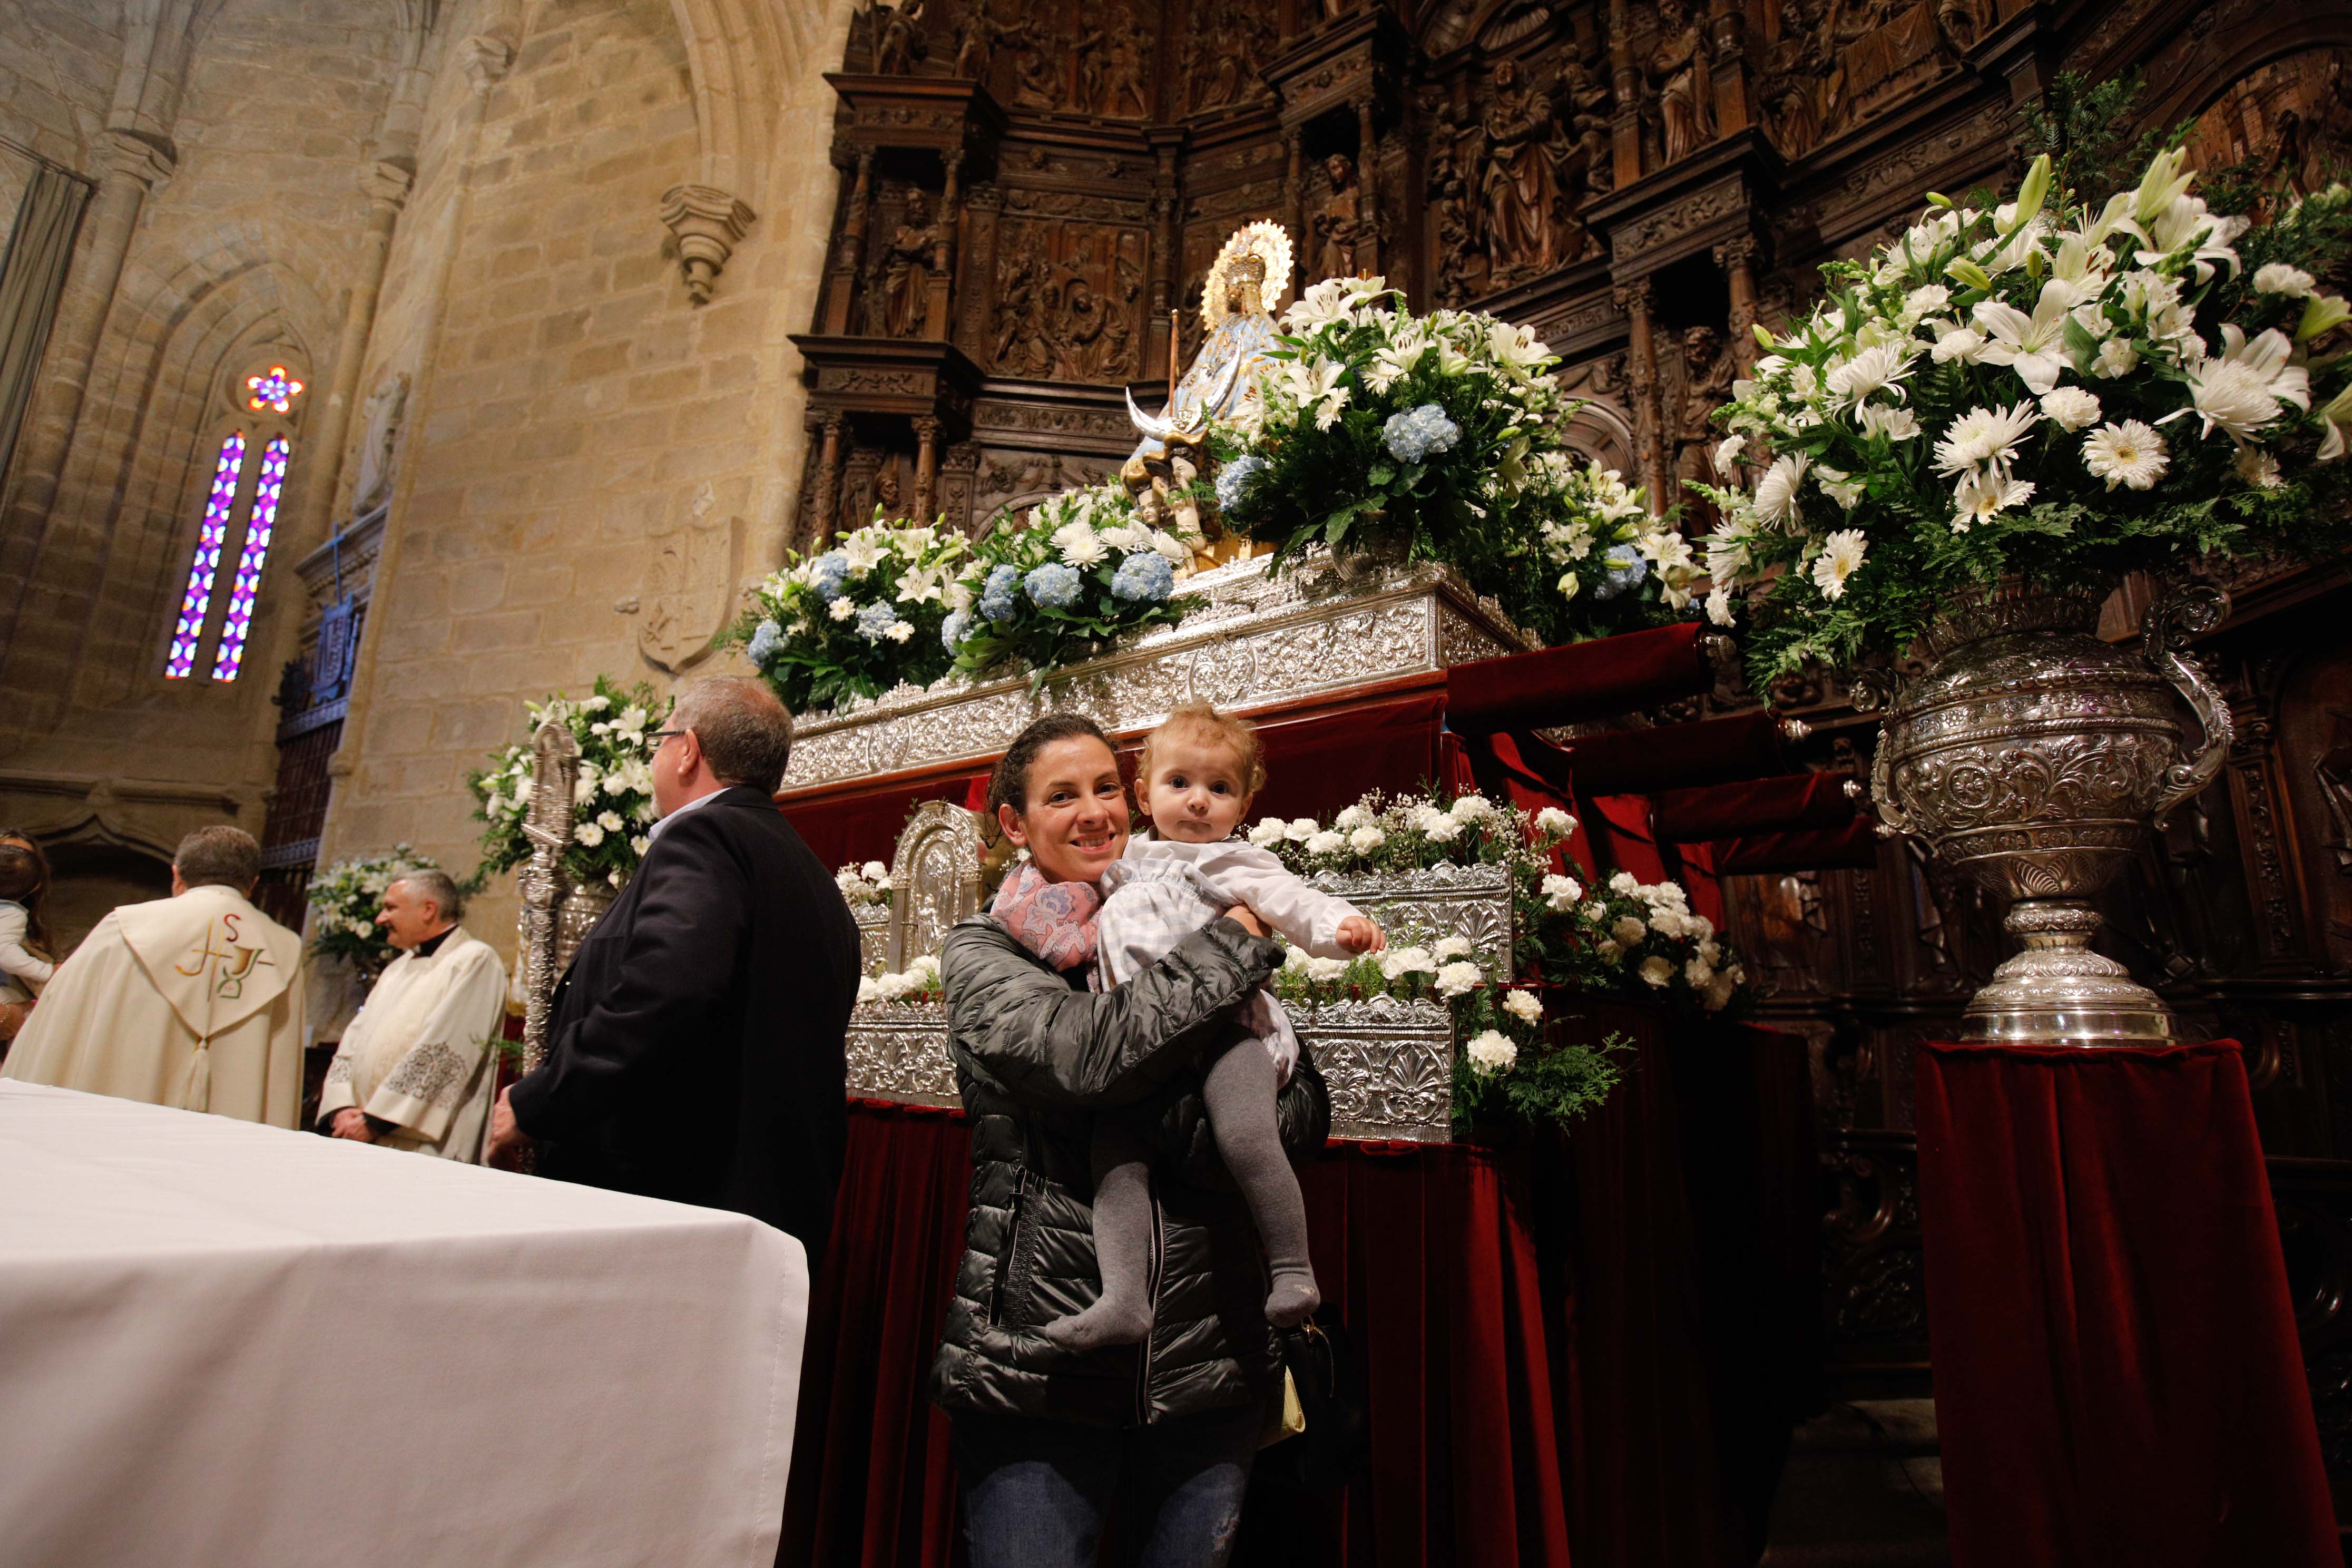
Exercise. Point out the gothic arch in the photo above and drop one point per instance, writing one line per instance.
(744, 57)
(2212, 61)
(147, 458)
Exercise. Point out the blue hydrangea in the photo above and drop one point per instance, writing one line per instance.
(1053, 585)
(1234, 478)
(874, 622)
(1626, 569)
(952, 629)
(1146, 575)
(1418, 432)
(766, 637)
(996, 594)
(826, 573)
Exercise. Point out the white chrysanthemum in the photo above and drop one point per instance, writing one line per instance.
(610, 821)
(641, 843)
(1325, 844)
(2127, 453)
(1872, 370)
(1492, 1052)
(1840, 557)
(898, 631)
(1980, 497)
(844, 608)
(591, 834)
(1554, 821)
(2258, 468)
(2240, 390)
(1458, 979)
(1078, 544)
(1984, 438)
(1776, 493)
(2071, 408)
(1656, 970)
(1367, 838)
(1895, 424)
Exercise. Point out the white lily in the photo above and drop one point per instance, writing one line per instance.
(2033, 346)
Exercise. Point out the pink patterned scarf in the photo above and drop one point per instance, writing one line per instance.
(1055, 921)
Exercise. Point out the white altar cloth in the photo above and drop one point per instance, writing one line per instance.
(224, 1344)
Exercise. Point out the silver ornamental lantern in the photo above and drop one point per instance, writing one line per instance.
(2032, 756)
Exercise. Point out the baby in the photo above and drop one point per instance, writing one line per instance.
(23, 969)
(1198, 771)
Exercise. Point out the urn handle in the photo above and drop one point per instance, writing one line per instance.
(1881, 691)
(2172, 621)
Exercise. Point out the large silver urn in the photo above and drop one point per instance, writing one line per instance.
(2032, 756)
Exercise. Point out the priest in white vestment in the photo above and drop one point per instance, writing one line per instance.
(194, 1001)
(416, 1069)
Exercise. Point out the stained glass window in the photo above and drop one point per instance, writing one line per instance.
(197, 600)
(275, 391)
(251, 561)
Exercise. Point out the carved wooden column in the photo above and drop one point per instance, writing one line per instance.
(842, 283)
(1159, 342)
(1737, 257)
(1729, 26)
(828, 484)
(942, 280)
(1641, 373)
(926, 467)
(1294, 196)
(1625, 78)
(982, 208)
(1368, 162)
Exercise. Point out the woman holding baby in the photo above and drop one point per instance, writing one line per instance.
(1136, 1233)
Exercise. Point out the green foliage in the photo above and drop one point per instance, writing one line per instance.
(855, 619)
(1060, 588)
(1551, 1086)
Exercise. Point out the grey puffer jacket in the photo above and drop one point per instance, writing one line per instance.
(1035, 1059)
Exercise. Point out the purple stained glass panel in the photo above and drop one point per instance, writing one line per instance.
(190, 630)
(246, 588)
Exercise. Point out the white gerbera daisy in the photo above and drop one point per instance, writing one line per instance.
(2128, 453)
(1984, 438)
(1980, 497)
(1840, 557)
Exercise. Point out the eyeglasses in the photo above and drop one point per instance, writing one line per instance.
(659, 736)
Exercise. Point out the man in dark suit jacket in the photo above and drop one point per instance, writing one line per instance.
(695, 1044)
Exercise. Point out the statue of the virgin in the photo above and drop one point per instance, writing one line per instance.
(1237, 304)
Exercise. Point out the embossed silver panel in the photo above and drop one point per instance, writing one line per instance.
(1389, 1064)
(1258, 639)
(1419, 908)
(873, 935)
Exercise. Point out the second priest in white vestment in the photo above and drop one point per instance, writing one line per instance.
(416, 1069)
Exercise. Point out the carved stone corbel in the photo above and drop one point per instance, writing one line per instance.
(708, 222)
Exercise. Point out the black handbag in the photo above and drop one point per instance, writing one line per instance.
(1334, 1447)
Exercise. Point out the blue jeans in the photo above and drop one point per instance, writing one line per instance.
(1035, 1493)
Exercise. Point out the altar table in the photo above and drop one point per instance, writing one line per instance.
(225, 1345)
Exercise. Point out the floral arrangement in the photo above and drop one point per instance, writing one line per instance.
(348, 895)
(1444, 434)
(1629, 937)
(1081, 570)
(613, 804)
(856, 619)
(864, 886)
(919, 982)
(2039, 388)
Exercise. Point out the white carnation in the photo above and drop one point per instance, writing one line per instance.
(1556, 822)
(2278, 277)
(2071, 408)
(1402, 960)
(1656, 970)
(1325, 970)
(1268, 832)
(1301, 829)
(1629, 930)
(1560, 893)
(1457, 979)
(1492, 1052)
(1523, 1006)
(1366, 839)
(1353, 817)
(1325, 844)
(1473, 808)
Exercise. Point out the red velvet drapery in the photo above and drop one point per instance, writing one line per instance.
(1599, 1346)
(2117, 1382)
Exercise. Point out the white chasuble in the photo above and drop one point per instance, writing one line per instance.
(419, 1054)
(194, 1001)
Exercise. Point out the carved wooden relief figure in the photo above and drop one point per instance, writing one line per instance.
(1520, 184)
(1340, 226)
(905, 269)
(895, 42)
(1679, 65)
